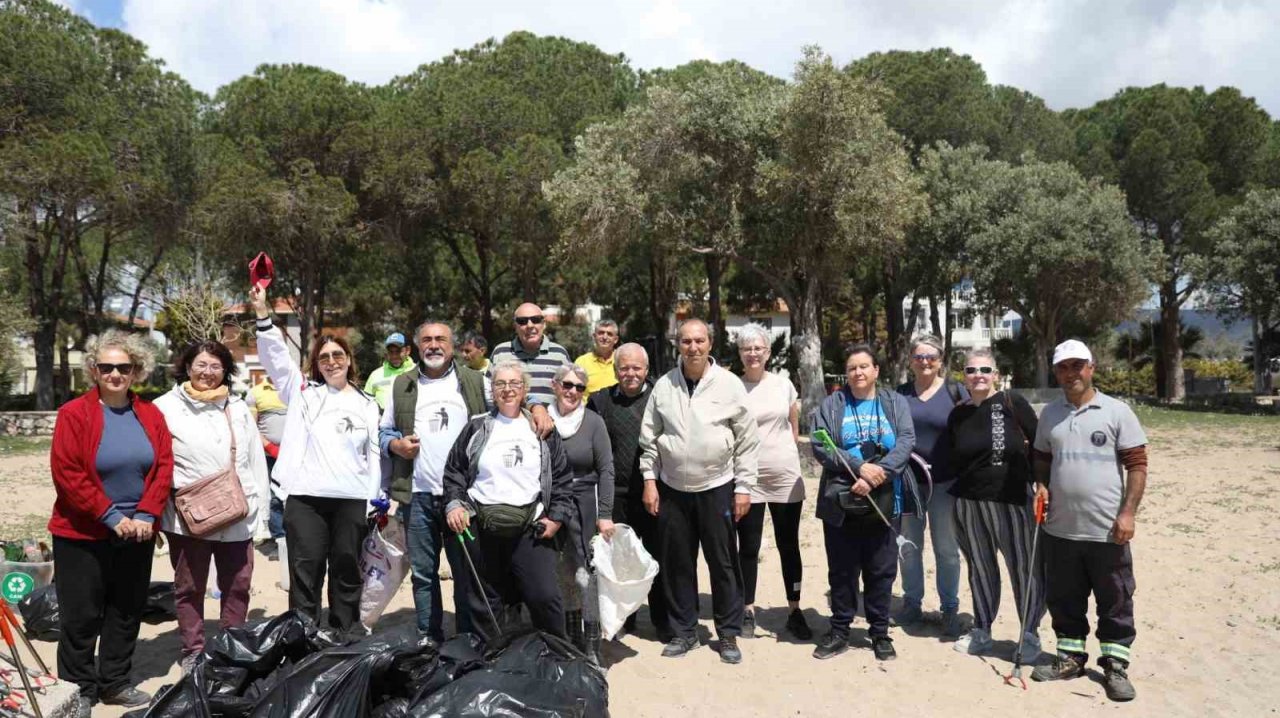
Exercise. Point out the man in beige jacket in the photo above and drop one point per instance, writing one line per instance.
(698, 447)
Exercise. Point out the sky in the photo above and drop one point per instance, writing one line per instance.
(1070, 52)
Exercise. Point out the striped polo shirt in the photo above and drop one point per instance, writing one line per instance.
(541, 365)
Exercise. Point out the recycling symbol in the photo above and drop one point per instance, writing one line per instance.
(16, 586)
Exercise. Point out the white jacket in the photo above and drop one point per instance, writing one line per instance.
(202, 446)
(330, 444)
(699, 442)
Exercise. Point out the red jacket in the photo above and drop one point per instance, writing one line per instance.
(81, 498)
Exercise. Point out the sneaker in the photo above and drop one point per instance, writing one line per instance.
(729, 651)
(952, 624)
(798, 626)
(188, 663)
(882, 646)
(975, 643)
(1063, 667)
(908, 615)
(748, 624)
(1030, 647)
(678, 646)
(1116, 682)
(128, 697)
(84, 707)
(831, 645)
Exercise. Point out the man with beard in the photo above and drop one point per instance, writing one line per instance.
(426, 410)
(699, 447)
(622, 408)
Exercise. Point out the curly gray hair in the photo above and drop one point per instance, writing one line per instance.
(752, 331)
(140, 350)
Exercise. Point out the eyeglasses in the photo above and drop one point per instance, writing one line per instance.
(979, 370)
(333, 357)
(105, 369)
(570, 386)
(529, 320)
(202, 368)
(925, 357)
(513, 384)
(754, 350)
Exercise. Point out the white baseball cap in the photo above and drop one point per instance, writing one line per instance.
(1072, 349)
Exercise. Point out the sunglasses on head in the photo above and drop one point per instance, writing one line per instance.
(568, 385)
(528, 320)
(979, 370)
(105, 369)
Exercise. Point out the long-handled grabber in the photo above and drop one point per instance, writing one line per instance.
(1023, 615)
(7, 626)
(829, 444)
(476, 576)
(13, 621)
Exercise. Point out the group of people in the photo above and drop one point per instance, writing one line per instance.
(522, 458)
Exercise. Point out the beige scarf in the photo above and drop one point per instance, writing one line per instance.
(211, 395)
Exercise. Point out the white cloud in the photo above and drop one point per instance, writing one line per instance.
(1071, 53)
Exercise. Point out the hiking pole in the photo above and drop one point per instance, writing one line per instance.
(1026, 600)
(13, 619)
(6, 631)
(829, 444)
(476, 575)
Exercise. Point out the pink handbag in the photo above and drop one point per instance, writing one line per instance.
(216, 500)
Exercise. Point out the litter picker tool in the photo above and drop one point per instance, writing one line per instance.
(476, 576)
(9, 624)
(1016, 674)
(829, 444)
(13, 621)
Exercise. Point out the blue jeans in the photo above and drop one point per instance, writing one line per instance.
(275, 519)
(946, 551)
(426, 535)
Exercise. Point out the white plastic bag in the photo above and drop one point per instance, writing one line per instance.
(383, 564)
(625, 572)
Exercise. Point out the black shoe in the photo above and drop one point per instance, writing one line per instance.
(1064, 666)
(798, 626)
(678, 646)
(1116, 681)
(729, 652)
(592, 631)
(882, 646)
(270, 550)
(748, 624)
(128, 697)
(664, 633)
(831, 645)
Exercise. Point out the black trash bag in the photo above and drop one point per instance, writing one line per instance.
(532, 675)
(160, 602)
(39, 611)
(261, 647)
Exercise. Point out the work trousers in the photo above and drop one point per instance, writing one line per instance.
(630, 511)
(513, 570)
(325, 533)
(102, 589)
(866, 552)
(687, 520)
(986, 528)
(427, 534)
(1073, 570)
(190, 558)
(786, 534)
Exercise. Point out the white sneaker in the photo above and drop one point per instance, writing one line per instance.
(974, 643)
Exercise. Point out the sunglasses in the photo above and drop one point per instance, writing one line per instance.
(332, 357)
(569, 386)
(979, 370)
(925, 357)
(528, 320)
(105, 369)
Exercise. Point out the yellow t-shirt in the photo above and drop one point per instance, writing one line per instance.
(599, 373)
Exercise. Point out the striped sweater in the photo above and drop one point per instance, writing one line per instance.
(541, 365)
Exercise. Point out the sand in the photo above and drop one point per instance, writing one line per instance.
(1207, 605)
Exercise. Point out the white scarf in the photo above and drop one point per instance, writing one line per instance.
(567, 426)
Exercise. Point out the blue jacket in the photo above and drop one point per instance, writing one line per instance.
(830, 416)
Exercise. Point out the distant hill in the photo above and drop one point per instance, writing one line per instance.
(1206, 321)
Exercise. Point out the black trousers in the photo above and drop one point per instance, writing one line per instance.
(102, 589)
(325, 533)
(1075, 569)
(786, 534)
(687, 520)
(630, 511)
(513, 570)
(869, 553)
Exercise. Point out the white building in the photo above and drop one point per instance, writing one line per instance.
(972, 328)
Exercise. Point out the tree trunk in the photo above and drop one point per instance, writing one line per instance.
(1260, 368)
(946, 336)
(1043, 343)
(64, 373)
(808, 345)
(715, 271)
(1170, 349)
(44, 338)
(896, 350)
(150, 269)
(935, 320)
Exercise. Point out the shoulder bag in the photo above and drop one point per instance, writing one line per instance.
(216, 500)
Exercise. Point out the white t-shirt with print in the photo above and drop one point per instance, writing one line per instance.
(510, 469)
(339, 434)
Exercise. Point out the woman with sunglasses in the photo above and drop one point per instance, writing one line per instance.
(586, 443)
(990, 441)
(210, 427)
(509, 493)
(328, 468)
(112, 466)
(776, 406)
(931, 396)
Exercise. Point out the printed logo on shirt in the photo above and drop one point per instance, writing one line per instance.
(439, 420)
(513, 457)
(1098, 438)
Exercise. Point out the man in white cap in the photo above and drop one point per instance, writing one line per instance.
(398, 362)
(1091, 467)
